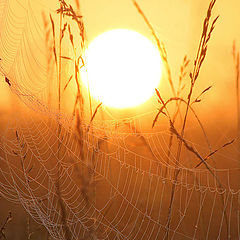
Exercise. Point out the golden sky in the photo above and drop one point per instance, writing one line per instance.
(178, 24)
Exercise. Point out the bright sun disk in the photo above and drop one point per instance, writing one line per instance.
(122, 68)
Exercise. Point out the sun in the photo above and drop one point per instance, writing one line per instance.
(122, 68)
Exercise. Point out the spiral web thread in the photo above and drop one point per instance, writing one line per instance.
(113, 186)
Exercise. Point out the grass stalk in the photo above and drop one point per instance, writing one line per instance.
(194, 151)
(4, 226)
(60, 60)
(201, 54)
(178, 105)
(78, 110)
(66, 230)
(163, 54)
(160, 46)
(236, 60)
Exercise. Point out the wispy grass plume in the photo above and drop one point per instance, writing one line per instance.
(201, 54)
(160, 45)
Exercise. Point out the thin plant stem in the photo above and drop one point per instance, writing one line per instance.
(66, 230)
(236, 60)
(160, 45)
(201, 54)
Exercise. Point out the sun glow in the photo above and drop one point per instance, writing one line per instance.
(122, 68)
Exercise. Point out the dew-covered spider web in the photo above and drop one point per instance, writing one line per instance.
(105, 178)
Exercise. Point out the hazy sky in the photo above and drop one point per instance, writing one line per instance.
(178, 24)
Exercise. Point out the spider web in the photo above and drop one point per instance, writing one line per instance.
(113, 181)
